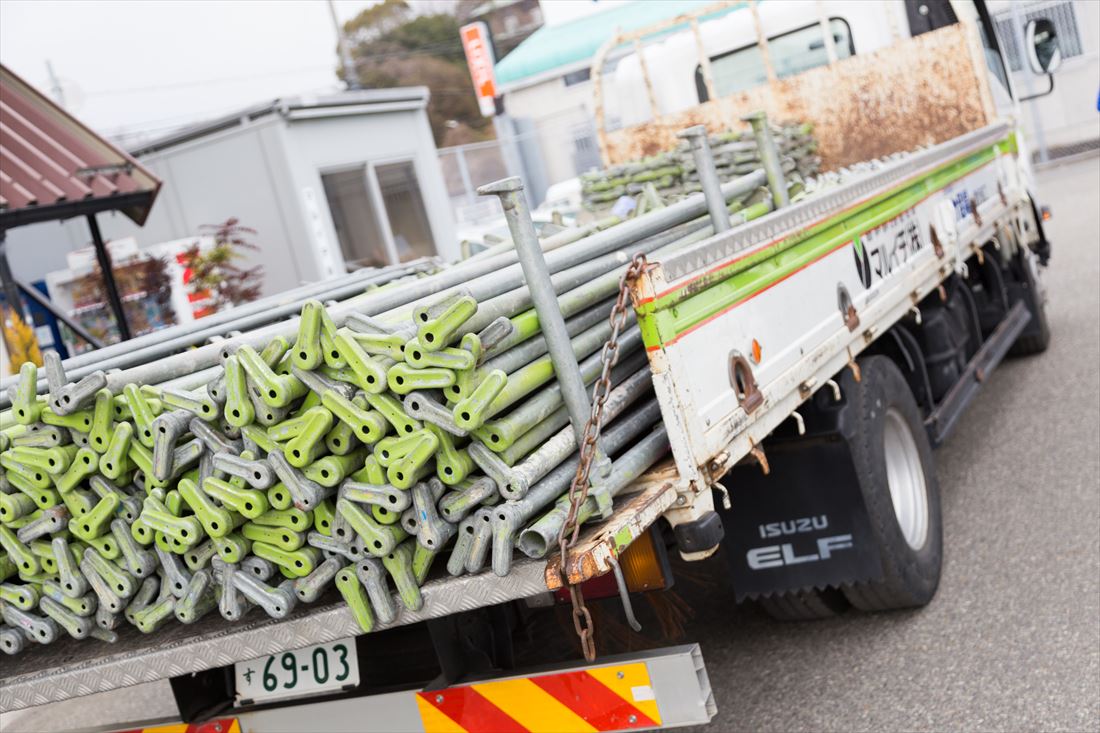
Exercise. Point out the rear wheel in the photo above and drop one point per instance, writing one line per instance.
(806, 605)
(893, 459)
(1036, 336)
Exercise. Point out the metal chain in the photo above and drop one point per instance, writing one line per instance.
(578, 490)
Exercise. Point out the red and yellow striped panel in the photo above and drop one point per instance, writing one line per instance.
(601, 699)
(221, 725)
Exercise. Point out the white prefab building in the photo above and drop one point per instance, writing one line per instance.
(327, 182)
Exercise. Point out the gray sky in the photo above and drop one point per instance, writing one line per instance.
(154, 64)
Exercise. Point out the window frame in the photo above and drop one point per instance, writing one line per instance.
(700, 84)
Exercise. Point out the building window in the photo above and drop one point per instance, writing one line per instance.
(355, 220)
(1060, 13)
(405, 212)
(791, 53)
(578, 77)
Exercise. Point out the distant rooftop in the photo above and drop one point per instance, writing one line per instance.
(322, 105)
(569, 44)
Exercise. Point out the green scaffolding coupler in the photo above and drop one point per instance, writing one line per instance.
(115, 461)
(370, 372)
(323, 515)
(391, 409)
(155, 615)
(106, 546)
(121, 582)
(79, 502)
(455, 359)
(464, 378)
(84, 464)
(278, 497)
(199, 557)
(341, 440)
(16, 505)
(470, 412)
(232, 547)
(25, 405)
(352, 591)
(199, 600)
(438, 324)
(309, 444)
(297, 563)
(80, 420)
(83, 605)
(24, 597)
(452, 464)
(415, 464)
(281, 537)
(380, 538)
(248, 503)
(331, 470)
(54, 461)
(216, 520)
(41, 436)
(402, 378)
(370, 426)
(398, 562)
(238, 408)
(291, 518)
(277, 390)
(103, 422)
(93, 524)
(372, 472)
(307, 352)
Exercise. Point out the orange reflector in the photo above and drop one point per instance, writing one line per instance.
(1047, 215)
(756, 351)
(641, 565)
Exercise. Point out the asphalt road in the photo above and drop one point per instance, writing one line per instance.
(1012, 640)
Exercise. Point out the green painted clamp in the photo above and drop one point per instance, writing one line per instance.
(341, 439)
(115, 460)
(394, 412)
(370, 373)
(15, 505)
(26, 560)
(422, 562)
(143, 414)
(24, 597)
(435, 332)
(470, 412)
(79, 502)
(248, 503)
(389, 451)
(238, 408)
(382, 515)
(391, 345)
(277, 390)
(15, 470)
(103, 421)
(96, 522)
(465, 378)
(307, 352)
(412, 466)
(456, 359)
(323, 516)
(356, 598)
(379, 538)
(372, 472)
(292, 518)
(369, 425)
(155, 615)
(297, 563)
(278, 497)
(80, 420)
(24, 404)
(84, 465)
(106, 546)
(399, 563)
(309, 444)
(281, 537)
(54, 461)
(288, 429)
(403, 378)
(260, 437)
(199, 557)
(197, 403)
(331, 470)
(121, 582)
(216, 520)
(233, 547)
(155, 515)
(452, 464)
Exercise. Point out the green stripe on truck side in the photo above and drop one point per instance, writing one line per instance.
(673, 314)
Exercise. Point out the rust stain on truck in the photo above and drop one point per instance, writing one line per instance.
(916, 93)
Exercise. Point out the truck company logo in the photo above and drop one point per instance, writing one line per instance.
(777, 556)
(880, 251)
(793, 526)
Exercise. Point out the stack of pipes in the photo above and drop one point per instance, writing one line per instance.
(673, 173)
(349, 446)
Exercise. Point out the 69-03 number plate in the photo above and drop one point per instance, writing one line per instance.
(316, 669)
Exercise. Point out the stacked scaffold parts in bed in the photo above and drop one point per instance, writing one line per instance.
(351, 446)
(673, 174)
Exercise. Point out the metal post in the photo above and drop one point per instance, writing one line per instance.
(545, 299)
(464, 173)
(11, 290)
(708, 176)
(59, 314)
(1025, 70)
(769, 157)
(104, 258)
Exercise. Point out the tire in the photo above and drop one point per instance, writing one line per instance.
(806, 605)
(1036, 336)
(893, 457)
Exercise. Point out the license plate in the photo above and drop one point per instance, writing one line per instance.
(313, 670)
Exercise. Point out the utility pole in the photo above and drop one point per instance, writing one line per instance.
(346, 61)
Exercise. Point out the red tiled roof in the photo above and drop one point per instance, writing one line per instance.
(53, 164)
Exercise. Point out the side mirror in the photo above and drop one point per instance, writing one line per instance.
(1041, 44)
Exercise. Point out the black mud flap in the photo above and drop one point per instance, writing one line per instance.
(804, 525)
